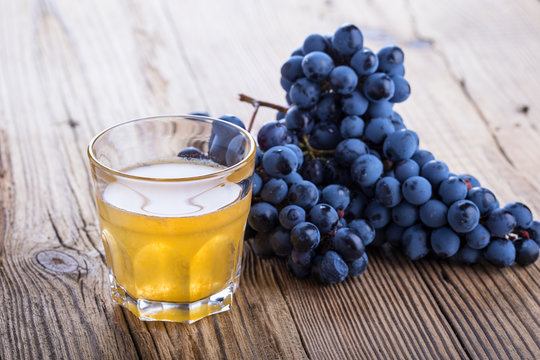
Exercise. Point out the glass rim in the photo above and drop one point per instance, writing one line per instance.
(228, 169)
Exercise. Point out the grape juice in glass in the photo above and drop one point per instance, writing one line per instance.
(173, 226)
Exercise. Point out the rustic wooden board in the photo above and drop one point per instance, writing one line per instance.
(68, 70)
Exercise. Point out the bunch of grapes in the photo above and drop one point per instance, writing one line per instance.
(339, 171)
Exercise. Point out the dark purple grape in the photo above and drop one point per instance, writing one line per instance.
(348, 244)
(305, 236)
(272, 134)
(500, 252)
(347, 40)
(292, 68)
(305, 93)
(521, 213)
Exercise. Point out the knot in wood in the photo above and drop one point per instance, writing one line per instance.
(57, 262)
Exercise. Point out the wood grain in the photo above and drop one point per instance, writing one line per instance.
(69, 70)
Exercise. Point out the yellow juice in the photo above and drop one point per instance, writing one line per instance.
(173, 242)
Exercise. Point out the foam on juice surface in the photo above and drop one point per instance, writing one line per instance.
(172, 199)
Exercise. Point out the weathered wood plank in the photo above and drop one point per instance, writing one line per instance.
(67, 71)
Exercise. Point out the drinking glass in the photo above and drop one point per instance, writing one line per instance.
(173, 194)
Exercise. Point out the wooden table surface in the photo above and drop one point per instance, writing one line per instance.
(68, 69)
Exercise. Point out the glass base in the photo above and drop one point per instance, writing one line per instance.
(149, 310)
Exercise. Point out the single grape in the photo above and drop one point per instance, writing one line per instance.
(433, 213)
(263, 217)
(305, 93)
(327, 109)
(377, 214)
(484, 199)
(388, 191)
(337, 196)
(257, 184)
(414, 241)
(348, 244)
(478, 238)
(279, 161)
(351, 126)
(304, 194)
(280, 242)
(521, 213)
(358, 266)
(356, 206)
(500, 222)
(404, 214)
(366, 170)
(233, 120)
(390, 59)
(500, 252)
(236, 150)
(435, 171)
(422, 156)
(261, 245)
(299, 263)
(453, 189)
(219, 141)
(402, 89)
(364, 62)
(349, 150)
(444, 242)
(312, 170)
(325, 136)
(405, 169)
(324, 216)
(272, 134)
(274, 191)
(354, 103)
(469, 256)
(378, 129)
(463, 216)
(305, 236)
(314, 42)
(400, 145)
(364, 229)
(299, 120)
(291, 215)
(526, 251)
(292, 68)
(343, 80)
(317, 66)
(347, 40)
(383, 108)
(332, 269)
(416, 190)
(378, 86)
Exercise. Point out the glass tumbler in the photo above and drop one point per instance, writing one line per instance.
(173, 194)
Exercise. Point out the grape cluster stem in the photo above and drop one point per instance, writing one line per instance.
(258, 103)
